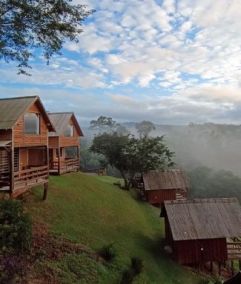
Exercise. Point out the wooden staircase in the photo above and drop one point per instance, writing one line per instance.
(180, 195)
(233, 249)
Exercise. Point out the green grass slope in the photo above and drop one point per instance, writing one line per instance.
(90, 210)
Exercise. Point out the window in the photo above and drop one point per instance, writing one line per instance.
(31, 123)
(69, 131)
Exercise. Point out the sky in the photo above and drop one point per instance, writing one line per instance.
(168, 61)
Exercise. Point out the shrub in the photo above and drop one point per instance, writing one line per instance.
(128, 276)
(108, 252)
(135, 269)
(15, 227)
(137, 265)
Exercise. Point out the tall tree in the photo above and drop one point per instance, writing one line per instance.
(103, 123)
(27, 25)
(131, 156)
(144, 128)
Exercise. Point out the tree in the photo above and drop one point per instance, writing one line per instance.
(27, 25)
(144, 128)
(131, 156)
(103, 123)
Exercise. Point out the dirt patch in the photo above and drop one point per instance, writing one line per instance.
(46, 247)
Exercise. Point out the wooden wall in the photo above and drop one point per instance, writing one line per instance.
(53, 142)
(200, 251)
(5, 134)
(22, 140)
(157, 197)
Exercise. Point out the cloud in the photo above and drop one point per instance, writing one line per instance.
(185, 56)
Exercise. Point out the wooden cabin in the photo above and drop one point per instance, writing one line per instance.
(165, 185)
(64, 143)
(24, 126)
(203, 230)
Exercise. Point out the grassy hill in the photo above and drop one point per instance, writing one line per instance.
(91, 211)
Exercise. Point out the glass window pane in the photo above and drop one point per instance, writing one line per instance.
(31, 123)
(69, 131)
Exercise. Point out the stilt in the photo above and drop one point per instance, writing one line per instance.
(46, 186)
(211, 266)
(219, 268)
(232, 267)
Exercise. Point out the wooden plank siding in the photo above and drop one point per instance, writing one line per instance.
(157, 197)
(22, 140)
(5, 134)
(200, 251)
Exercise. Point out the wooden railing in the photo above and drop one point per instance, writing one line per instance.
(234, 250)
(30, 177)
(65, 165)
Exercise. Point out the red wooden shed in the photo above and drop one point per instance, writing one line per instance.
(165, 185)
(203, 230)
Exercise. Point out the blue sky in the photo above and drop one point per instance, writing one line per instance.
(170, 61)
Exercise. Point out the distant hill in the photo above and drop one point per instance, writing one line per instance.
(91, 211)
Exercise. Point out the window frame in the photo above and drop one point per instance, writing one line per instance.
(38, 132)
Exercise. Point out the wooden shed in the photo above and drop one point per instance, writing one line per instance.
(165, 185)
(64, 143)
(203, 230)
(24, 126)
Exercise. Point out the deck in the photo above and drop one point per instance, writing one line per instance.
(66, 166)
(25, 179)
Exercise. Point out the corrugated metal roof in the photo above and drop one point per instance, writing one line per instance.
(12, 108)
(163, 180)
(61, 121)
(204, 218)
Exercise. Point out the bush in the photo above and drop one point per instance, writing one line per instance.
(108, 252)
(135, 269)
(137, 265)
(15, 227)
(128, 276)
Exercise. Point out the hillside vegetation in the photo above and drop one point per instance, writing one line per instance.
(92, 211)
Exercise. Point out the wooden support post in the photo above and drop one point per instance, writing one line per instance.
(219, 268)
(211, 266)
(59, 161)
(46, 186)
(239, 264)
(78, 155)
(232, 267)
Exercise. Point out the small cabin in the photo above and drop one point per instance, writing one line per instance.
(203, 230)
(165, 185)
(64, 143)
(24, 127)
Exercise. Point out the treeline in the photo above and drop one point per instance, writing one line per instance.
(205, 182)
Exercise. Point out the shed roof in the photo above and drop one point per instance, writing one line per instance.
(12, 108)
(61, 120)
(163, 180)
(204, 218)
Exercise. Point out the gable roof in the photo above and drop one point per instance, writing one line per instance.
(163, 180)
(203, 218)
(12, 108)
(61, 120)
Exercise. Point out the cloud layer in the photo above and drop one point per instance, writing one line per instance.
(168, 61)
